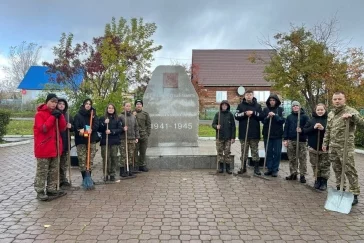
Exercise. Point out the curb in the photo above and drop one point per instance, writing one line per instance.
(18, 136)
(14, 144)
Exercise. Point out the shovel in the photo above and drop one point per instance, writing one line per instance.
(243, 161)
(340, 201)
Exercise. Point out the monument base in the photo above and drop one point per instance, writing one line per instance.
(200, 157)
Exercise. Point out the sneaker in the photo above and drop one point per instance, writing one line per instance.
(41, 196)
(275, 174)
(355, 201)
(302, 179)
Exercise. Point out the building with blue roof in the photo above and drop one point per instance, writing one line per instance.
(37, 79)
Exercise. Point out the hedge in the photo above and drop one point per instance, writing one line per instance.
(4, 121)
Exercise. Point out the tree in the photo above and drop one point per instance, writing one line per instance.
(111, 64)
(308, 67)
(21, 58)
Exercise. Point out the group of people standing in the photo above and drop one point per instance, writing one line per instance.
(322, 136)
(125, 134)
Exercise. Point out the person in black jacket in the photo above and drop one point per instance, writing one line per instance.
(114, 131)
(224, 124)
(249, 108)
(274, 112)
(62, 105)
(290, 136)
(312, 128)
(82, 131)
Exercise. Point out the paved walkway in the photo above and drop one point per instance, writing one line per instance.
(170, 206)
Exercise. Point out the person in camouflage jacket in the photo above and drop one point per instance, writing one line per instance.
(334, 140)
(145, 126)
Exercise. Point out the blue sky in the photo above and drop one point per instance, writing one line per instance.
(182, 25)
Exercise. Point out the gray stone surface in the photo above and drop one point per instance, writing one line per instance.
(201, 157)
(172, 103)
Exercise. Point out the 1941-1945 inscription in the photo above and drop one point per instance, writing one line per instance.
(172, 103)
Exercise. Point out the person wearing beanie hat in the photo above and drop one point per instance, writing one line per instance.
(83, 131)
(138, 101)
(45, 149)
(145, 126)
(296, 103)
(51, 96)
(291, 129)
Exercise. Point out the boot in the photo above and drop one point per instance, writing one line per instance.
(130, 173)
(41, 196)
(268, 173)
(355, 201)
(323, 185)
(221, 167)
(256, 168)
(292, 177)
(112, 178)
(55, 193)
(122, 172)
(275, 174)
(302, 179)
(318, 182)
(228, 169)
(83, 173)
(143, 168)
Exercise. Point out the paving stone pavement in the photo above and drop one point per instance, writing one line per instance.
(170, 206)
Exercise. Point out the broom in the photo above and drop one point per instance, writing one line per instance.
(88, 183)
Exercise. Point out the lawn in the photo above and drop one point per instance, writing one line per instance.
(20, 128)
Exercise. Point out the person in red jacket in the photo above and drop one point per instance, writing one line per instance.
(45, 148)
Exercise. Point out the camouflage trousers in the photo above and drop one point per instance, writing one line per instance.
(82, 156)
(336, 158)
(131, 150)
(112, 159)
(302, 157)
(140, 151)
(253, 144)
(323, 163)
(223, 148)
(63, 166)
(46, 175)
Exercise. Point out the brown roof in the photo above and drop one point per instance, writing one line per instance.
(231, 67)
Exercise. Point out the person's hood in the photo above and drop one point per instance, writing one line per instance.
(65, 104)
(314, 114)
(85, 112)
(274, 96)
(225, 102)
(43, 107)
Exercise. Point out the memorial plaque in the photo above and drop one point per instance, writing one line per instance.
(172, 103)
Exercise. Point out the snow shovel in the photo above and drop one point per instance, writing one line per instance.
(243, 161)
(340, 201)
(88, 183)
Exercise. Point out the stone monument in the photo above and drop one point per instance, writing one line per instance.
(172, 103)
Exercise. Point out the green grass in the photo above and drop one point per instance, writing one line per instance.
(20, 128)
(23, 114)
